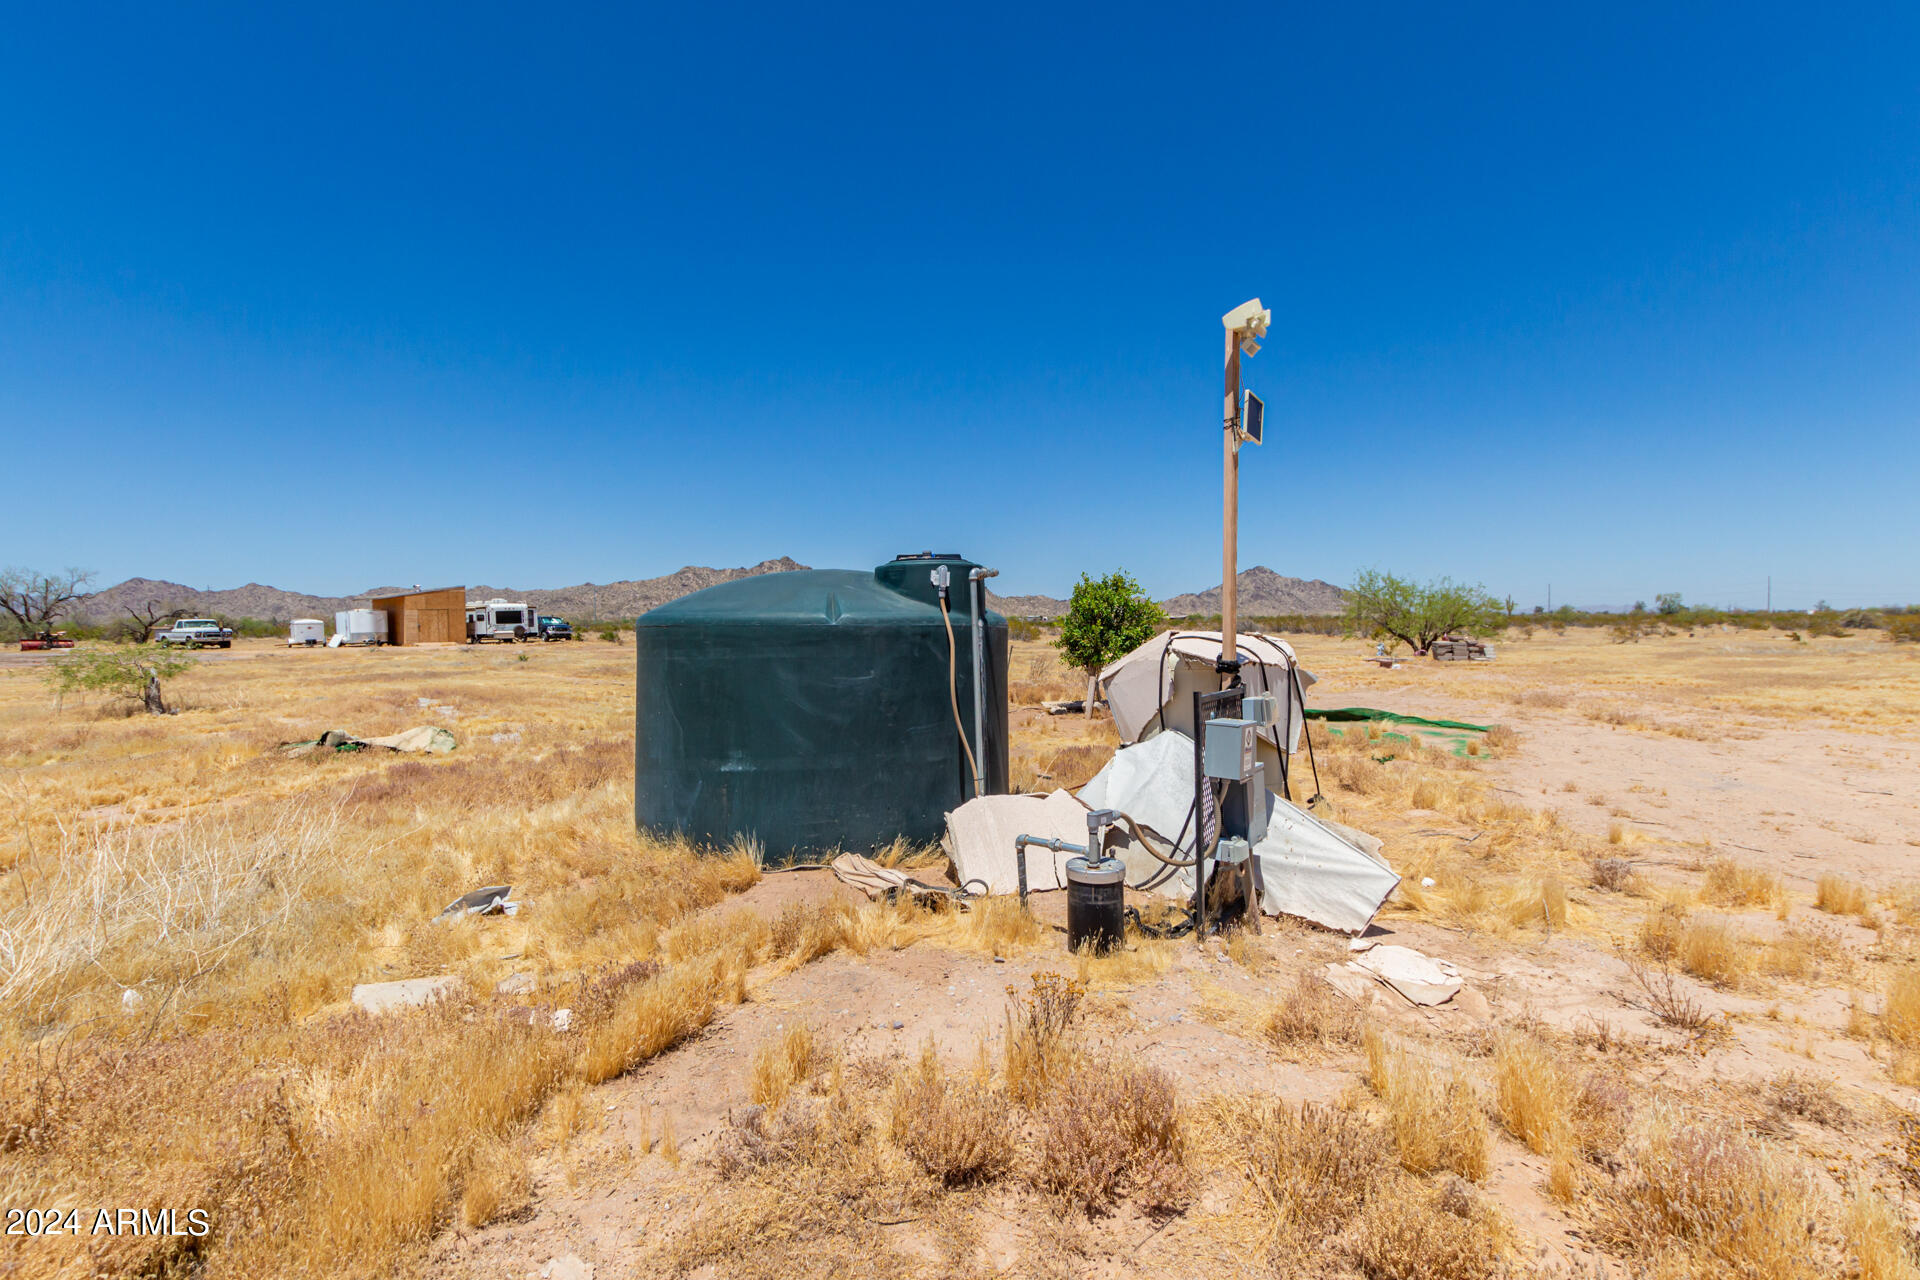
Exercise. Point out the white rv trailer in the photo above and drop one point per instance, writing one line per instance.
(307, 631)
(360, 626)
(498, 619)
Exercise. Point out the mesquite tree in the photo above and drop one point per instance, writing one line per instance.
(1417, 614)
(34, 599)
(121, 673)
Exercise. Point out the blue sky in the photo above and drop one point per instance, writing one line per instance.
(1624, 301)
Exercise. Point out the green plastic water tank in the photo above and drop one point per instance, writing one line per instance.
(811, 710)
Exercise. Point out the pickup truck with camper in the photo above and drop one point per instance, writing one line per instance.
(194, 632)
(497, 619)
(552, 628)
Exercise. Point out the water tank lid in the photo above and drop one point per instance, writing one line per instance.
(804, 597)
(1105, 871)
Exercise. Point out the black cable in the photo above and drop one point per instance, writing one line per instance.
(1306, 731)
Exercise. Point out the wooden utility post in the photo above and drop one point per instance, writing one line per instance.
(1230, 521)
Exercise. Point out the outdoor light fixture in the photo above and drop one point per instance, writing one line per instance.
(1246, 322)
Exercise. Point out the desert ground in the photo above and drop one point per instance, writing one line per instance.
(1678, 878)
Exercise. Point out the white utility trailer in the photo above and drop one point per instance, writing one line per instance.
(307, 631)
(360, 626)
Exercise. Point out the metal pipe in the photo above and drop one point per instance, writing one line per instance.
(978, 580)
(1020, 844)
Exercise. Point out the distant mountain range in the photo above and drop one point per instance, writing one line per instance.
(1261, 591)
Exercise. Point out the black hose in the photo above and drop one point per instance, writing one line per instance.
(1306, 731)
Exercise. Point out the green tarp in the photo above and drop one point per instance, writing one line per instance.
(1452, 734)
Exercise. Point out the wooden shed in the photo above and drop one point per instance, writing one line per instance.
(438, 616)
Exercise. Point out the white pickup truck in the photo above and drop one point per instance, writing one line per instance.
(194, 632)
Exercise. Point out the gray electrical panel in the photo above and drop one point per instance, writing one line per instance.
(1261, 708)
(1228, 750)
(1244, 810)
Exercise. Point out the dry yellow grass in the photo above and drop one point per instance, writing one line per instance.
(1734, 884)
(1706, 1199)
(202, 905)
(1877, 1238)
(1531, 1092)
(1433, 1109)
(780, 1064)
(1900, 1018)
(1840, 896)
(957, 1127)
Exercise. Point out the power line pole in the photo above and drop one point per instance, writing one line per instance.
(1230, 508)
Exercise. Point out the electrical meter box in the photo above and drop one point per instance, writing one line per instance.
(1228, 751)
(1244, 811)
(1261, 708)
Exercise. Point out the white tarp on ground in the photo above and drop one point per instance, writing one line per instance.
(980, 834)
(1152, 688)
(1415, 975)
(1307, 868)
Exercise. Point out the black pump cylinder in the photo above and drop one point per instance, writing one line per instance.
(1096, 897)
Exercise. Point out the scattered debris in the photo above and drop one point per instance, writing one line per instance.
(1453, 649)
(491, 900)
(876, 881)
(1349, 980)
(1070, 706)
(563, 1019)
(516, 984)
(567, 1266)
(383, 997)
(421, 738)
(1415, 975)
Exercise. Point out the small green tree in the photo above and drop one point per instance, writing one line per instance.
(1380, 604)
(120, 673)
(1668, 603)
(1106, 618)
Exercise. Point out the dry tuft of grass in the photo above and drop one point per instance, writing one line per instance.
(1039, 1051)
(1436, 1114)
(1314, 1168)
(1556, 1110)
(1734, 884)
(1530, 1091)
(1714, 950)
(780, 1064)
(1706, 1199)
(498, 1184)
(1900, 1018)
(1837, 895)
(1878, 1238)
(1432, 1235)
(1311, 1017)
(1112, 1131)
(957, 1128)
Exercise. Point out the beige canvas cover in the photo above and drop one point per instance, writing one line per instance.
(1152, 688)
(980, 835)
